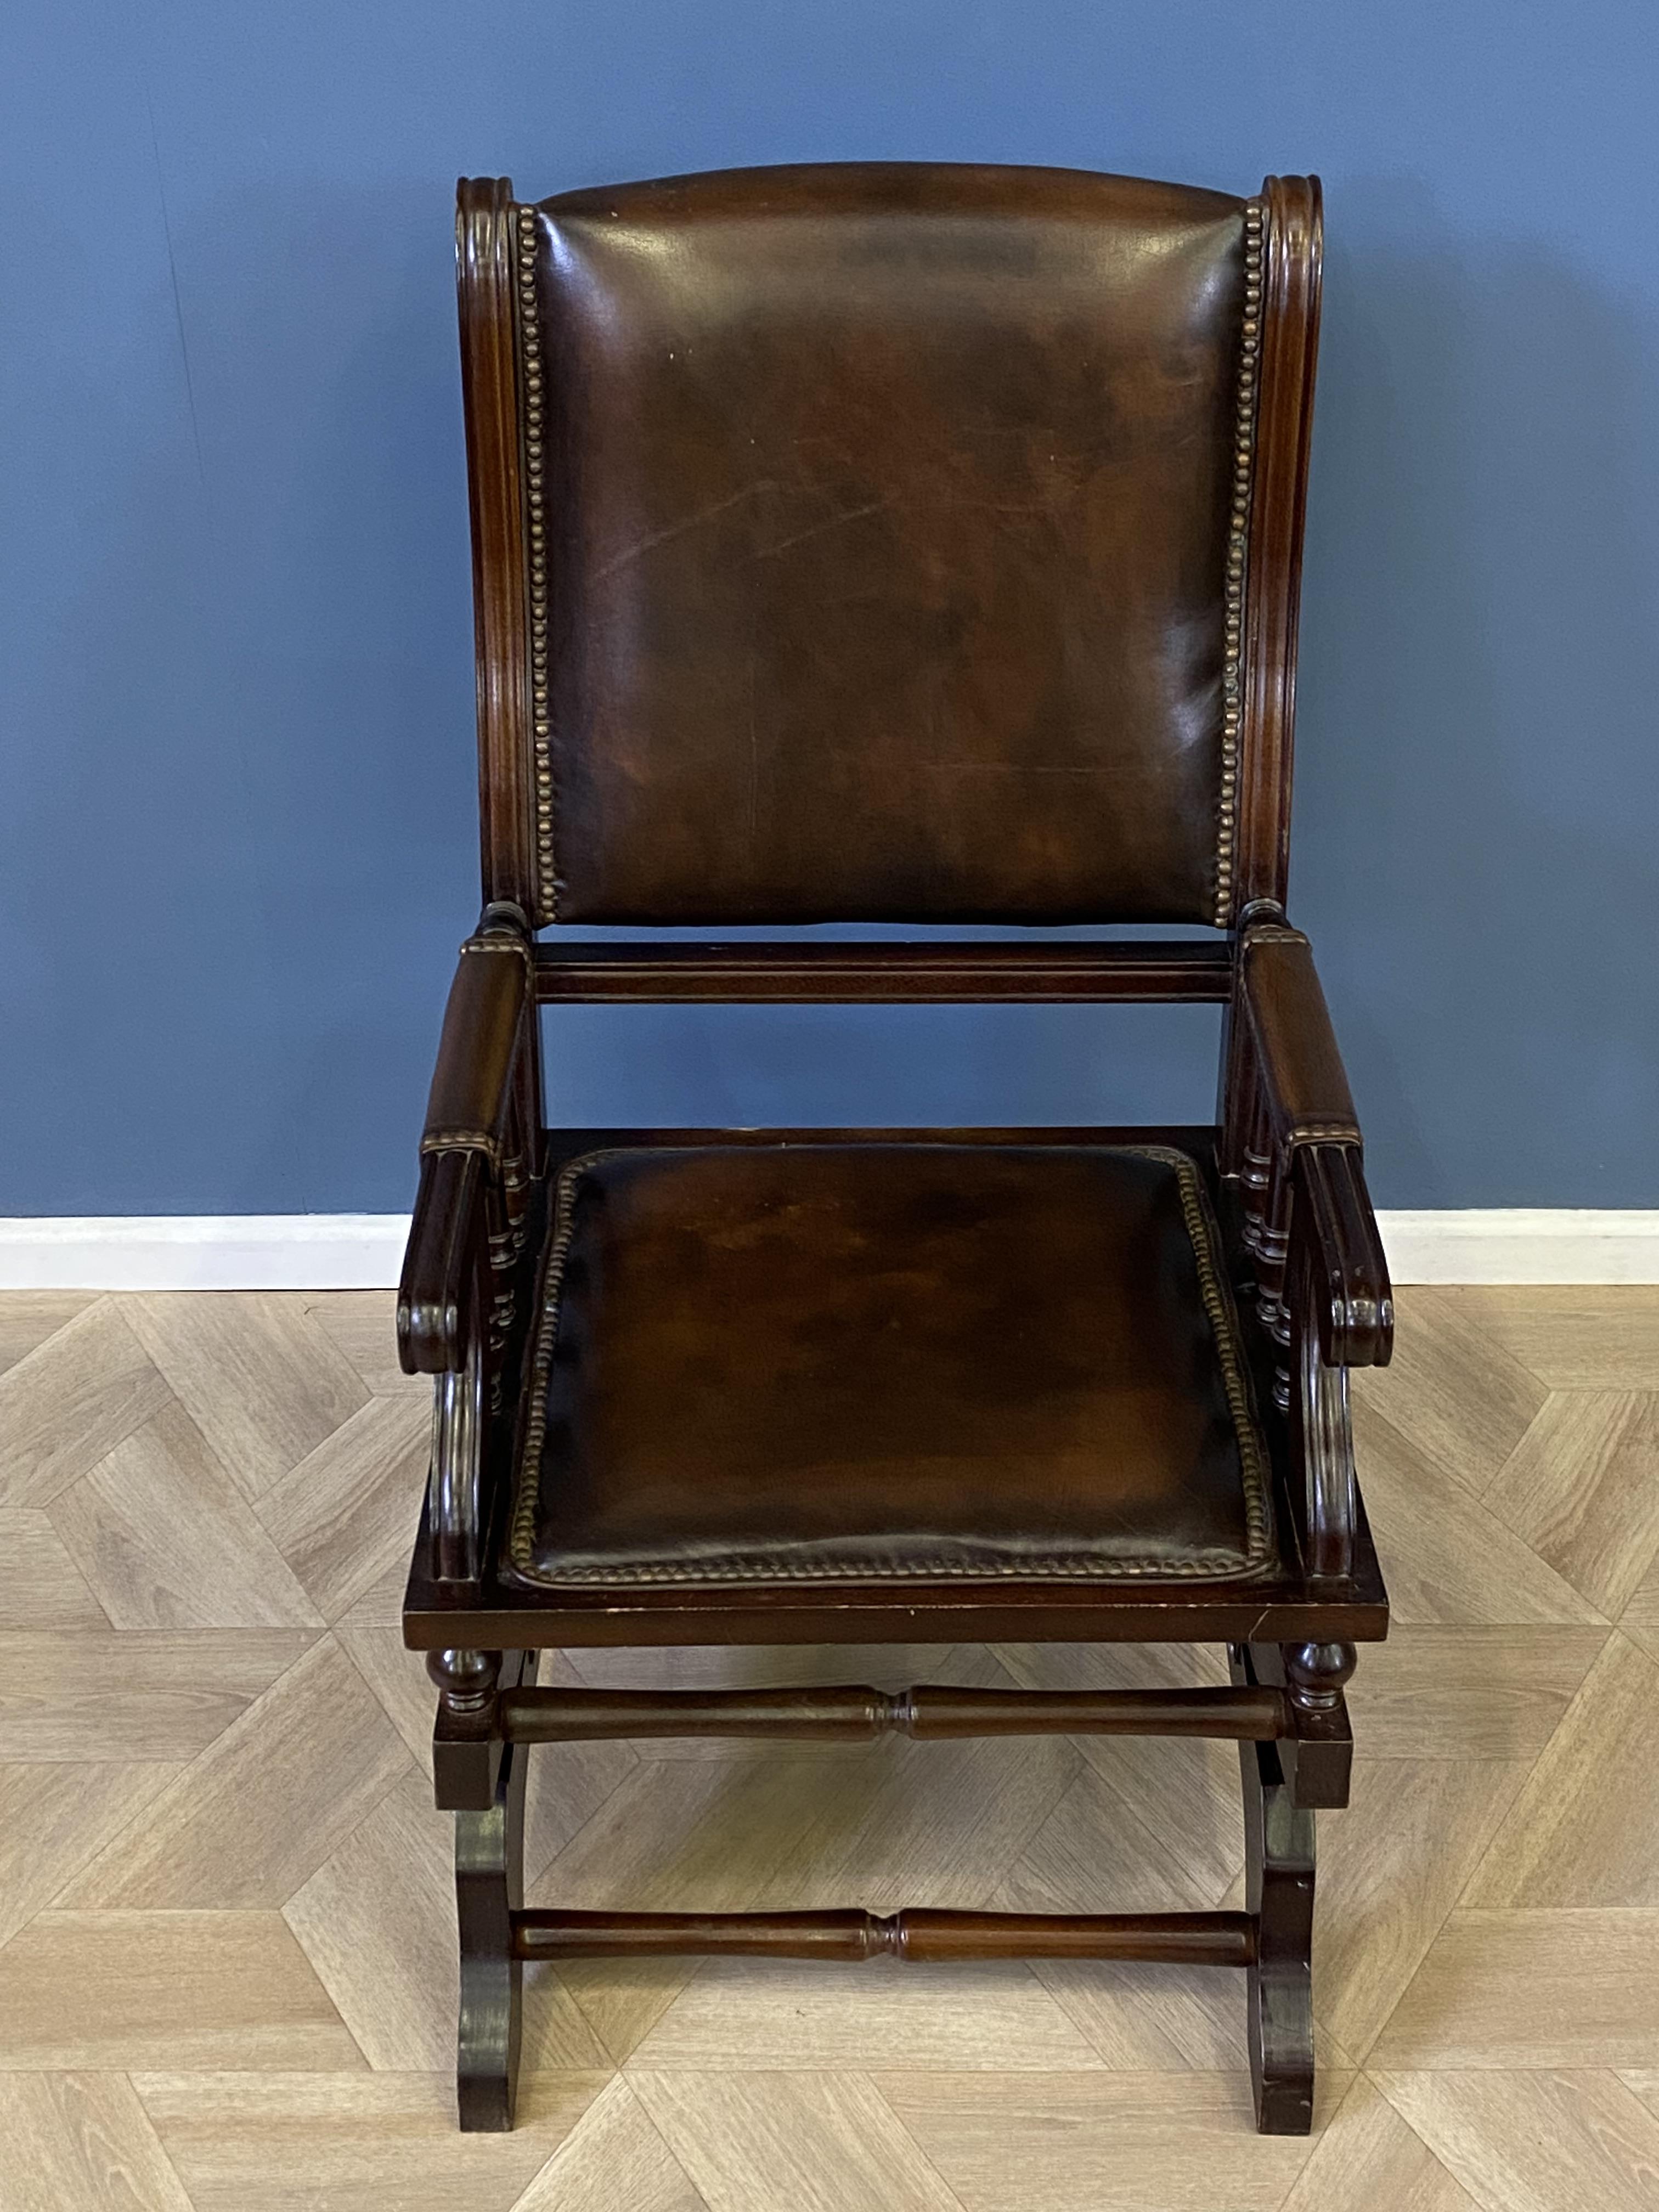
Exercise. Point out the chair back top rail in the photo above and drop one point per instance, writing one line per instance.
(819, 974)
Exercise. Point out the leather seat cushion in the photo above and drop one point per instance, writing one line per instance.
(841, 1361)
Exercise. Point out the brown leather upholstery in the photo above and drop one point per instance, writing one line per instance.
(887, 512)
(781, 1362)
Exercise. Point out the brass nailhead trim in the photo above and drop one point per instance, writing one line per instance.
(515, 944)
(1205, 1237)
(530, 362)
(1322, 1133)
(1238, 545)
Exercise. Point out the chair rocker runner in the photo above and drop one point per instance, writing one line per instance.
(914, 544)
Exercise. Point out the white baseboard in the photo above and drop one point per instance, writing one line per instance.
(364, 1251)
(1523, 1244)
(203, 1252)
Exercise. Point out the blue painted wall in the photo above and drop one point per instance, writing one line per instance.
(235, 648)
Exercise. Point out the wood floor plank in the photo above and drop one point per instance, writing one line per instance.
(381, 1604)
(1159, 2019)
(377, 1921)
(53, 1818)
(1536, 2142)
(1152, 2020)
(614, 2159)
(568, 1782)
(41, 1586)
(263, 1383)
(80, 2142)
(755, 2015)
(1585, 1830)
(27, 1318)
(899, 1823)
(168, 1542)
(1114, 1667)
(824, 2142)
(1446, 1559)
(70, 1400)
(1458, 1398)
(1368, 2159)
(1642, 2082)
(169, 1990)
(1581, 1490)
(1515, 1989)
(933, 1824)
(347, 1513)
(1572, 1336)
(364, 2143)
(1091, 1855)
(69, 1696)
(398, 1678)
(256, 1815)
(677, 1835)
(1185, 1794)
(557, 2030)
(1640, 1619)
(362, 1326)
(1439, 1693)
(1391, 1867)
(1122, 2142)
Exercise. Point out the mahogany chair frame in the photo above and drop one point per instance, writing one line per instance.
(1285, 1165)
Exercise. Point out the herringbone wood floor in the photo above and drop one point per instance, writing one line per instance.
(226, 1976)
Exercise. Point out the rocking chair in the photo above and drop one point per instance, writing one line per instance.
(911, 544)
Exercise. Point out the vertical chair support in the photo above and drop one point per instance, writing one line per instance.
(1278, 1896)
(489, 1893)
(481, 1777)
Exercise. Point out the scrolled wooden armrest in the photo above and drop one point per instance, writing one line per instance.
(1312, 1133)
(1341, 1316)
(443, 1328)
(474, 1127)
(1346, 1271)
(442, 1299)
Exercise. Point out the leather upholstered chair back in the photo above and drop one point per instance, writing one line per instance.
(888, 535)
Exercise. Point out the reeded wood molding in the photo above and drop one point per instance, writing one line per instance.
(1284, 428)
(485, 244)
(1189, 1939)
(834, 974)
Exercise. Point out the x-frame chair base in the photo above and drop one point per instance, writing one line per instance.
(1285, 1708)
